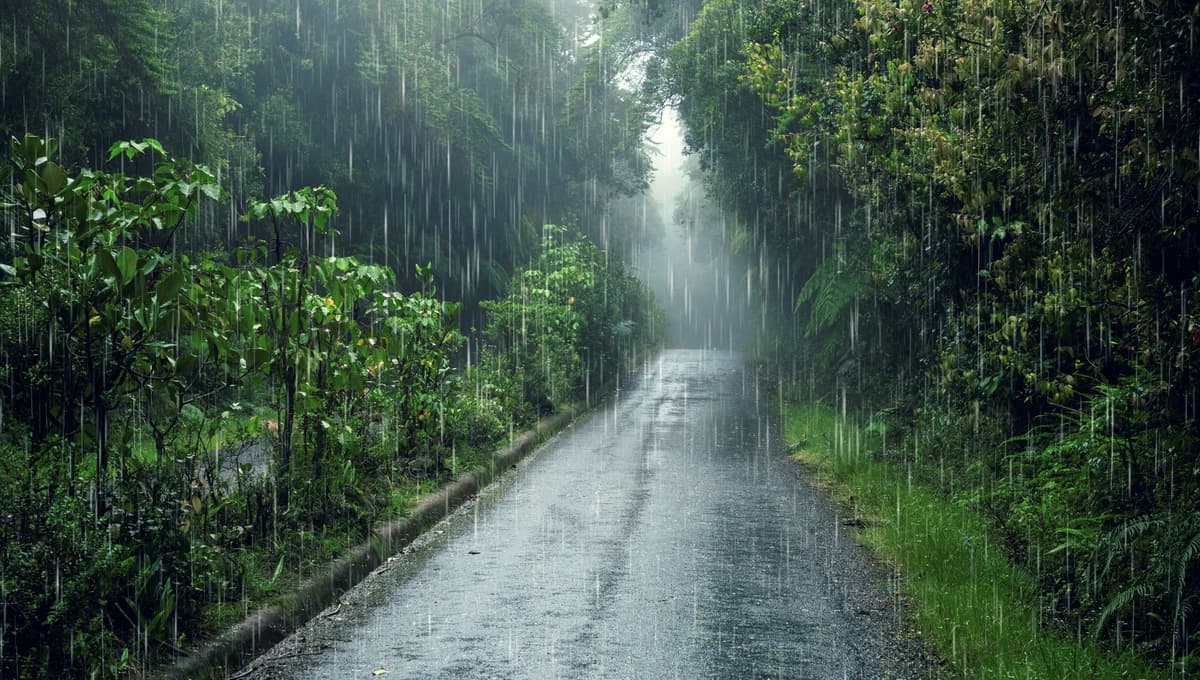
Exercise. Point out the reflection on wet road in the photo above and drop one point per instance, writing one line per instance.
(665, 536)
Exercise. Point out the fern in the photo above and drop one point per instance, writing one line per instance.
(1119, 538)
(1183, 607)
(1172, 571)
(1122, 600)
(829, 291)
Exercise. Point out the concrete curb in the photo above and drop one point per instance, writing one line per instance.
(268, 625)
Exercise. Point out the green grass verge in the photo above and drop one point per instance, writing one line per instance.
(976, 609)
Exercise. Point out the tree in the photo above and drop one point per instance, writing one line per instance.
(91, 250)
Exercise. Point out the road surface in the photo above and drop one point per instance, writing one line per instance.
(665, 536)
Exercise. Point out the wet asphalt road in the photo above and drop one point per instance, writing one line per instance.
(665, 536)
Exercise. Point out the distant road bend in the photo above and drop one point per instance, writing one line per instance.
(664, 536)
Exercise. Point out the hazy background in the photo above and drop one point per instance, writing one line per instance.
(689, 267)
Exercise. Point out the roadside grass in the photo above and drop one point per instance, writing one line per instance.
(272, 569)
(405, 494)
(976, 609)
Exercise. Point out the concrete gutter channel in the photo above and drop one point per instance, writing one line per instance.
(271, 624)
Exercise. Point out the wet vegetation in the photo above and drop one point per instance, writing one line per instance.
(962, 592)
(975, 222)
(969, 226)
(208, 390)
(183, 430)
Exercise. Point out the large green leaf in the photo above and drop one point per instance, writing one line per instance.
(107, 264)
(54, 177)
(211, 190)
(254, 357)
(169, 287)
(127, 264)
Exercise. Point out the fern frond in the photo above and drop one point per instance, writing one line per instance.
(830, 291)
(1184, 607)
(1120, 601)
(1118, 539)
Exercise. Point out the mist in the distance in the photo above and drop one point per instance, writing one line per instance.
(690, 270)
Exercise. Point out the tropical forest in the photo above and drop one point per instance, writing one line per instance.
(275, 273)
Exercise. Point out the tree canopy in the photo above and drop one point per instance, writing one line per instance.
(984, 216)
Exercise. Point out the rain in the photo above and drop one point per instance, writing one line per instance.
(599, 338)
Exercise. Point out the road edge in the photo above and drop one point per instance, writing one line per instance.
(270, 624)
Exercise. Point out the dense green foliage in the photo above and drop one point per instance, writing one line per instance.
(985, 215)
(181, 431)
(967, 599)
(973, 219)
(570, 321)
(205, 392)
(449, 129)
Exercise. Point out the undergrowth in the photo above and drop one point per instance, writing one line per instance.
(978, 611)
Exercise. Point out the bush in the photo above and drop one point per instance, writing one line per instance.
(569, 322)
